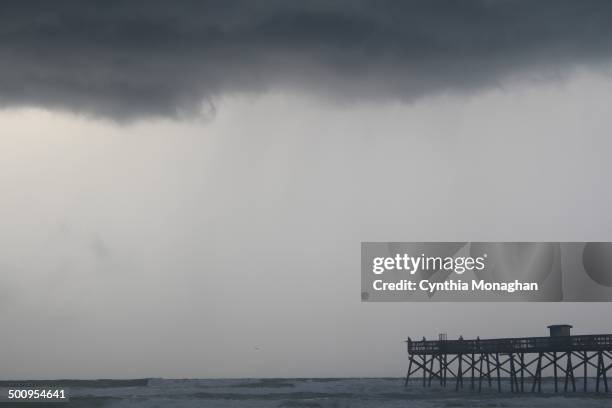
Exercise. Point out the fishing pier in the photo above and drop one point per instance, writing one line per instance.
(569, 360)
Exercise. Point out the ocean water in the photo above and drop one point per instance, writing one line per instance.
(308, 393)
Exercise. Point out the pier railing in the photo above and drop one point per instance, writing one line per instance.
(597, 342)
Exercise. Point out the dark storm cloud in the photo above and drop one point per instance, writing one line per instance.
(133, 59)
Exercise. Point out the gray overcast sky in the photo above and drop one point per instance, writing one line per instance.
(140, 58)
(142, 236)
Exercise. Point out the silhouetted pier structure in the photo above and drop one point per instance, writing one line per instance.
(521, 360)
